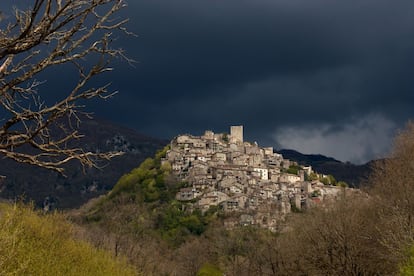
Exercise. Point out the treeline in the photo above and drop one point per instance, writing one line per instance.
(367, 233)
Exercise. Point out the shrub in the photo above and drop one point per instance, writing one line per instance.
(408, 268)
(209, 270)
(34, 244)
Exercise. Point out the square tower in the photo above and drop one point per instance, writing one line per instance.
(236, 133)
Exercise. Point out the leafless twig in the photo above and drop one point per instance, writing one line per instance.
(54, 33)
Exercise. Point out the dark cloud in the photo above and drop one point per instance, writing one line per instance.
(347, 142)
(272, 66)
(321, 72)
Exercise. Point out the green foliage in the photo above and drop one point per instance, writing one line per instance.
(311, 177)
(225, 137)
(162, 153)
(332, 180)
(408, 268)
(316, 193)
(293, 169)
(329, 180)
(174, 224)
(194, 223)
(147, 181)
(33, 244)
(325, 180)
(209, 270)
(342, 184)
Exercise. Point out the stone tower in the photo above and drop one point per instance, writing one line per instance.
(236, 133)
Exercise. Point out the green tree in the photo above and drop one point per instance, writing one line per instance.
(342, 184)
(312, 176)
(328, 180)
(293, 169)
(225, 137)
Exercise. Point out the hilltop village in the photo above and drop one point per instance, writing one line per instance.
(256, 185)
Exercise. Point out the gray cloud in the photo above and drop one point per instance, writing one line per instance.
(358, 140)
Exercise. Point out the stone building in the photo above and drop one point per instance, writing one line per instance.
(241, 177)
(236, 134)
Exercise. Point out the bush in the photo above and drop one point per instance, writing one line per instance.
(408, 268)
(209, 270)
(293, 169)
(33, 244)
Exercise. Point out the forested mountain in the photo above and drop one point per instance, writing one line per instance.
(354, 175)
(51, 190)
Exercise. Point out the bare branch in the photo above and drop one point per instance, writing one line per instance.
(54, 33)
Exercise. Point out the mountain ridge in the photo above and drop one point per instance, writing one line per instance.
(51, 190)
(354, 175)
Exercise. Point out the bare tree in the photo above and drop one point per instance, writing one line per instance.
(392, 183)
(70, 34)
(342, 240)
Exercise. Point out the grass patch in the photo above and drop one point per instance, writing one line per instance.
(35, 244)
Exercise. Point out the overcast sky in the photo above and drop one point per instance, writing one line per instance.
(320, 76)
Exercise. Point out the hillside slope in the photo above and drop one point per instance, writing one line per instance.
(36, 244)
(49, 189)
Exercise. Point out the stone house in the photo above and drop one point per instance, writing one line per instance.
(246, 220)
(234, 203)
(268, 151)
(255, 160)
(263, 173)
(307, 187)
(235, 189)
(186, 194)
(219, 156)
(208, 135)
(213, 198)
(289, 178)
(226, 182)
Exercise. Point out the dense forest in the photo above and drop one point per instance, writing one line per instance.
(141, 223)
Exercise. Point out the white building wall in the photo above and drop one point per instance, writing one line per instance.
(264, 173)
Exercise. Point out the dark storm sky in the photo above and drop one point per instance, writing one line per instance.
(320, 76)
